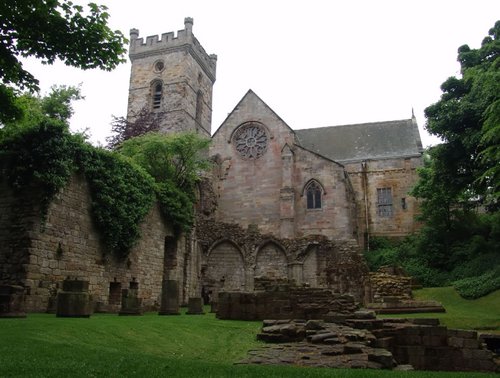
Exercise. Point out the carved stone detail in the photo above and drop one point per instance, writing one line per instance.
(250, 141)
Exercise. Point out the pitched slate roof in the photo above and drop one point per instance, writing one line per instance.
(378, 140)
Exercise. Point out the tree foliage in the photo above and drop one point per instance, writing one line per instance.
(467, 118)
(38, 155)
(123, 129)
(458, 185)
(56, 106)
(50, 30)
(176, 162)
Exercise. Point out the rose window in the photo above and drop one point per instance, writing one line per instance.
(250, 141)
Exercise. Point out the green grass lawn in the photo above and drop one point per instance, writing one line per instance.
(108, 345)
(482, 314)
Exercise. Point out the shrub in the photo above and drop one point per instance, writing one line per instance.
(475, 287)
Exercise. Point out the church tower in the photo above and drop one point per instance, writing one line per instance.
(172, 77)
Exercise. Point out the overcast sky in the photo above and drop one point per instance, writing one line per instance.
(315, 63)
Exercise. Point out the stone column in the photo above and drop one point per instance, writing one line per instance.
(169, 298)
(287, 195)
(195, 306)
(131, 303)
(296, 272)
(12, 301)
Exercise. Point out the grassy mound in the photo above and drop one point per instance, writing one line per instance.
(480, 314)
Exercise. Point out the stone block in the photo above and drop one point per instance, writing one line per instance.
(169, 298)
(75, 285)
(195, 306)
(131, 303)
(470, 343)
(12, 301)
(434, 341)
(382, 356)
(73, 304)
(456, 342)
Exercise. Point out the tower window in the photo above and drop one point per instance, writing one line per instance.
(313, 195)
(384, 202)
(159, 66)
(157, 94)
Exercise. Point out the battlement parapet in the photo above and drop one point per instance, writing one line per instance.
(171, 42)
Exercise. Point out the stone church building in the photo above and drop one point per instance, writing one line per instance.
(343, 182)
(279, 205)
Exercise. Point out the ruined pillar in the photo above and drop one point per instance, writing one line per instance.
(74, 301)
(169, 298)
(296, 272)
(195, 306)
(131, 303)
(12, 301)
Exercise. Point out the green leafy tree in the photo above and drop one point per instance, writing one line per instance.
(50, 30)
(461, 175)
(176, 162)
(56, 106)
(38, 156)
(467, 118)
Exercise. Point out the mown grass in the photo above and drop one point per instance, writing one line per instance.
(149, 346)
(482, 314)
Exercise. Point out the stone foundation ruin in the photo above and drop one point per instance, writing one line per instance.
(362, 341)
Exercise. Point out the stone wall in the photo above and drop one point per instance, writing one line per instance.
(400, 176)
(388, 285)
(434, 347)
(39, 254)
(270, 190)
(187, 77)
(362, 341)
(284, 302)
(235, 258)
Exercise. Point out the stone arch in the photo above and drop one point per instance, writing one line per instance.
(225, 267)
(310, 267)
(271, 261)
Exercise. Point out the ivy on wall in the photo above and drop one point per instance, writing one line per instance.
(44, 156)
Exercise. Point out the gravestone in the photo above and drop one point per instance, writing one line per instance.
(131, 303)
(169, 298)
(74, 301)
(12, 301)
(195, 306)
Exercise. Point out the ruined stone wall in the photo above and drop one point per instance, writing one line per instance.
(400, 176)
(434, 347)
(388, 285)
(284, 302)
(43, 253)
(17, 219)
(234, 258)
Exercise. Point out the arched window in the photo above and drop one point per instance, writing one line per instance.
(314, 192)
(157, 91)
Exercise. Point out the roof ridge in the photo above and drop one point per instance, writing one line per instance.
(357, 124)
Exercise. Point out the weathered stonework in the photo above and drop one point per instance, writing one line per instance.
(284, 302)
(186, 75)
(278, 206)
(234, 259)
(39, 254)
(366, 342)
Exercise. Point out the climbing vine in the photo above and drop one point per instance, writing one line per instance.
(44, 156)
